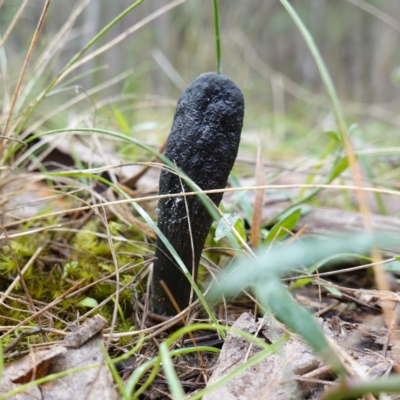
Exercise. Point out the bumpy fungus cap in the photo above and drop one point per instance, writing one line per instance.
(203, 143)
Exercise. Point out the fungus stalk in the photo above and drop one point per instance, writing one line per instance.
(203, 143)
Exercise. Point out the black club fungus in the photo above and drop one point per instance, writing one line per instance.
(203, 143)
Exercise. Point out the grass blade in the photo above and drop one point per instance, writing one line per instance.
(170, 373)
(379, 274)
(357, 389)
(258, 201)
(217, 37)
(155, 362)
(337, 109)
(13, 22)
(280, 229)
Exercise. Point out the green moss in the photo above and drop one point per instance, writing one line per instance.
(89, 259)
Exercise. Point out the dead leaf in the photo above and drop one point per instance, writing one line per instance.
(85, 332)
(93, 383)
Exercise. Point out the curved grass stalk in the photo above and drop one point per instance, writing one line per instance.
(325, 76)
(155, 363)
(111, 365)
(170, 373)
(337, 109)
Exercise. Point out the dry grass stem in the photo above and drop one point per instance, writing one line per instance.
(377, 13)
(258, 201)
(122, 36)
(17, 279)
(226, 190)
(13, 23)
(24, 67)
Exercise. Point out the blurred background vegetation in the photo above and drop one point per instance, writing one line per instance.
(262, 51)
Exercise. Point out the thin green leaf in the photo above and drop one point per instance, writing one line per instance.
(139, 373)
(121, 120)
(120, 311)
(341, 164)
(354, 389)
(170, 373)
(334, 135)
(280, 230)
(277, 298)
(117, 377)
(298, 283)
(334, 291)
(217, 37)
(395, 76)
